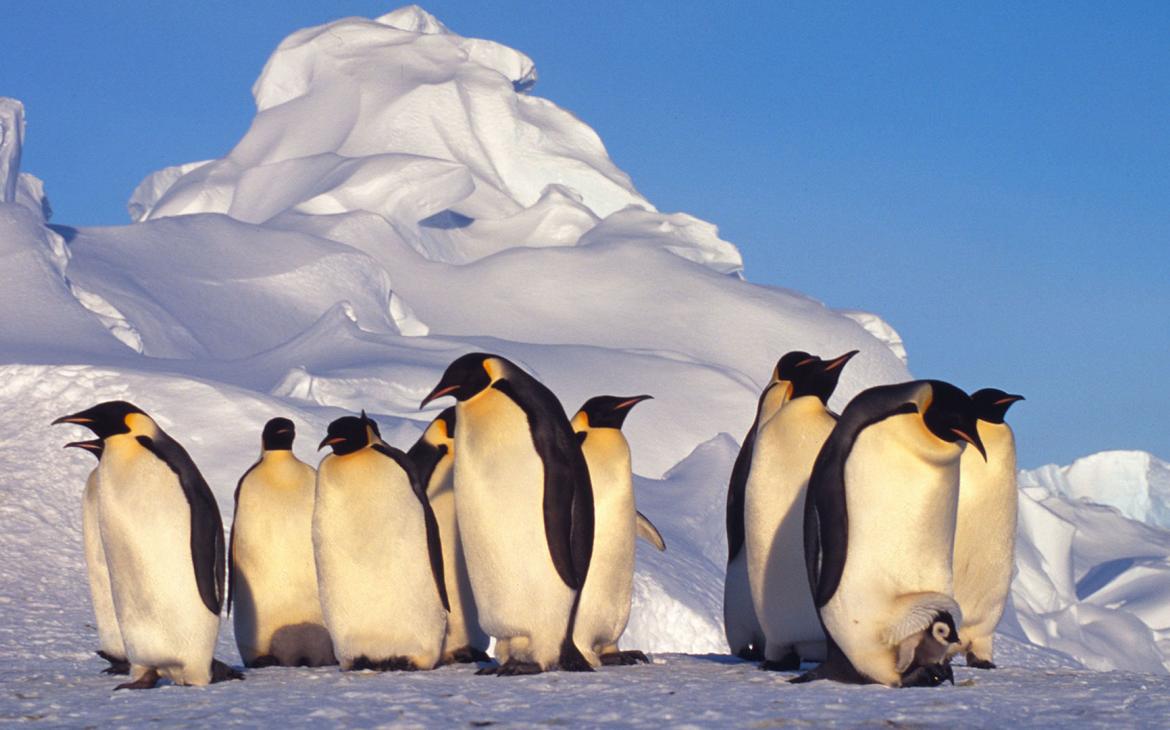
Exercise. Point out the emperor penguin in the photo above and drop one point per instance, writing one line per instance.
(110, 646)
(785, 447)
(604, 608)
(163, 540)
(525, 510)
(378, 554)
(742, 627)
(434, 458)
(985, 535)
(272, 583)
(879, 532)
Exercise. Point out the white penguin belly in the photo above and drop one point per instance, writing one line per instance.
(785, 448)
(109, 635)
(463, 627)
(377, 589)
(499, 487)
(277, 610)
(901, 504)
(604, 608)
(985, 536)
(146, 533)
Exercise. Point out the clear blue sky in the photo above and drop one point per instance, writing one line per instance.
(993, 179)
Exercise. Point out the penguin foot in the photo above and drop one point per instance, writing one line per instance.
(117, 665)
(929, 676)
(469, 655)
(263, 661)
(390, 664)
(976, 663)
(221, 672)
(488, 671)
(515, 668)
(790, 662)
(146, 681)
(624, 658)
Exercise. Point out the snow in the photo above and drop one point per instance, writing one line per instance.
(401, 198)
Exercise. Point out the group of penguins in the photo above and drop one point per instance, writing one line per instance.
(506, 519)
(878, 543)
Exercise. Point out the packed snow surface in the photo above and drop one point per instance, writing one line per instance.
(402, 198)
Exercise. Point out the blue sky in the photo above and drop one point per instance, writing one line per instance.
(992, 179)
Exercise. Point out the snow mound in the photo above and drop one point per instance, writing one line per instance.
(1135, 482)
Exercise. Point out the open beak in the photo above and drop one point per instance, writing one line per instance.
(974, 440)
(329, 441)
(438, 392)
(95, 445)
(840, 362)
(631, 402)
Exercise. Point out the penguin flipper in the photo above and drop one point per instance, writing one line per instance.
(648, 532)
(568, 492)
(207, 548)
(737, 491)
(434, 543)
(231, 578)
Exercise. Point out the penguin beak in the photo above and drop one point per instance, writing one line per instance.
(329, 441)
(1008, 400)
(75, 418)
(840, 362)
(95, 445)
(974, 440)
(439, 391)
(631, 402)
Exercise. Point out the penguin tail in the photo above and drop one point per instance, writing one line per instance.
(221, 672)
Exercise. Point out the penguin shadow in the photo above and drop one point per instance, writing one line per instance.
(726, 659)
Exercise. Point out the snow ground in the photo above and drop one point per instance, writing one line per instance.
(363, 234)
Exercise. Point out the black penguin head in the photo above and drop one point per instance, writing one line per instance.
(95, 447)
(950, 415)
(810, 375)
(278, 435)
(349, 434)
(610, 411)
(105, 419)
(943, 629)
(464, 378)
(992, 404)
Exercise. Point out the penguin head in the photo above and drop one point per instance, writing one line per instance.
(606, 411)
(107, 419)
(441, 431)
(350, 433)
(804, 374)
(992, 404)
(278, 435)
(95, 447)
(949, 414)
(467, 377)
(943, 629)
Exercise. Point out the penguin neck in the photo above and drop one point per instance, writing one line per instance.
(774, 398)
(277, 456)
